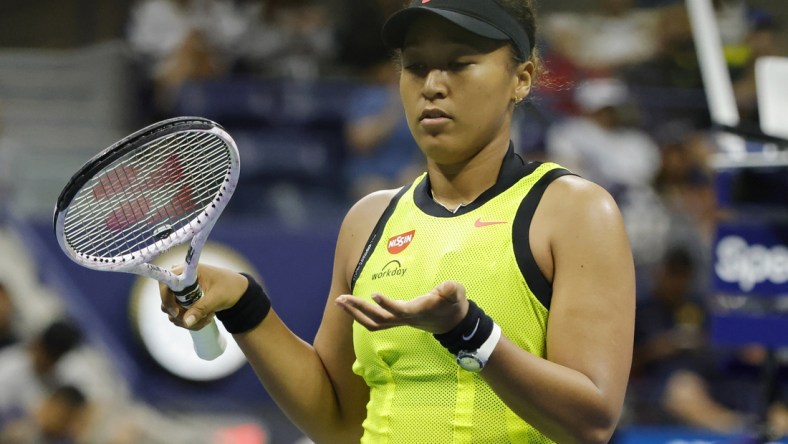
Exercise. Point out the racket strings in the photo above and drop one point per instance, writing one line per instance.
(148, 194)
(134, 209)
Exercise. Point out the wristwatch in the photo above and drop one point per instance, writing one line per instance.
(475, 360)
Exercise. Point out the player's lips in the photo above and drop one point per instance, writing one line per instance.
(434, 115)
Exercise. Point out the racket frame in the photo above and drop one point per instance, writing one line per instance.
(195, 232)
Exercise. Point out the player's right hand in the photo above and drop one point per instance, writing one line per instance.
(221, 290)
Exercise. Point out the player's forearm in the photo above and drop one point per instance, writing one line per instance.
(560, 402)
(293, 374)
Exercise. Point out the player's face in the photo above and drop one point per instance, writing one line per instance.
(458, 89)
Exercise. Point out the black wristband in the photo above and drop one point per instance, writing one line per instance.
(470, 333)
(250, 310)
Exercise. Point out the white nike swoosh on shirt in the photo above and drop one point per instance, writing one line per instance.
(468, 338)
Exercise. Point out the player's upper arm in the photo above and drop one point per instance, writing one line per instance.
(334, 339)
(591, 320)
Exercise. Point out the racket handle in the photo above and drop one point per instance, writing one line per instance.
(208, 341)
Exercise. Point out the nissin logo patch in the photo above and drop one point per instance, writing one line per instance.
(400, 242)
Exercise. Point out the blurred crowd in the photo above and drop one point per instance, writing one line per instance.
(620, 102)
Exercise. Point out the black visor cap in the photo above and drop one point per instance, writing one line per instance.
(485, 18)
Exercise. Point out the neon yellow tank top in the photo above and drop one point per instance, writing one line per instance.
(418, 394)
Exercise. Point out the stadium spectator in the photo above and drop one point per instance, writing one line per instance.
(8, 149)
(7, 315)
(381, 151)
(28, 372)
(678, 375)
(600, 144)
(732, 18)
(614, 35)
(684, 181)
(763, 39)
(68, 415)
(55, 356)
(669, 86)
(291, 39)
(181, 40)
(358, 34)
(53, 420)
(670, 349)
(57, 384)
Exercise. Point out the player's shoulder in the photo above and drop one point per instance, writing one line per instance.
(364, 214)
(574, 186)
(358, 225)
(373, 203)
(572, 196)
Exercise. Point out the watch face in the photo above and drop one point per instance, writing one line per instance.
(171, 346)
(469, 362)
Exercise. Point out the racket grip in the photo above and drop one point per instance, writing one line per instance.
(208, 341)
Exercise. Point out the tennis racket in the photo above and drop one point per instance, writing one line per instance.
(162, 186)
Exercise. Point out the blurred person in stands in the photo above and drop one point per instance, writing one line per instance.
(685, 185)
(291, 39)
(670, 334)
(614, 35)
(733, 24)
(359, 46)
(32, 375)
(8, 149)
(678, 375)
(181, 40)
(601, 143)
(472, 304)
(669, 86)
(381, 151)
(747, 33)
(53, 420)
(29, 371)
(679, 207)
(7, 315)
(764, 38)
(67, 415)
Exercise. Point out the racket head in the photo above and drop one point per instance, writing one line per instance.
(161, 186)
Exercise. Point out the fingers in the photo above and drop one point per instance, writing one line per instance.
(396, 308)
(371, 316)
(193, 318)
(451, 291)
(197, 316)
(168, 303)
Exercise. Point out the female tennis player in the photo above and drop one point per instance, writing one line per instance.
(489, 301)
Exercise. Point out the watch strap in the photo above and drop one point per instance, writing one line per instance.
(475, 360)
(487, 348)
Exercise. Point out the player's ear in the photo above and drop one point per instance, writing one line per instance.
(523, 73)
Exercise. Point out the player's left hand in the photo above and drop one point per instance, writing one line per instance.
(438, 311)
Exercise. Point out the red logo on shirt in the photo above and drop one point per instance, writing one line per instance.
(400, 242)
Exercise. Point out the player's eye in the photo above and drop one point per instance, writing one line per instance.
(456, 66)
(417, 68)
